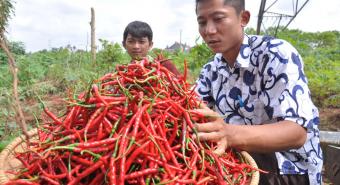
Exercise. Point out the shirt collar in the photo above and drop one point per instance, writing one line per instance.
(148, 57)
(242, 60)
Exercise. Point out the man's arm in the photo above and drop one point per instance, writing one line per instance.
(279, 136)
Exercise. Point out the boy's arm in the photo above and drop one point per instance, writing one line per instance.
(171, 67)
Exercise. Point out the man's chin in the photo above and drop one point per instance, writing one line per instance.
(138, 58)
(216, 50)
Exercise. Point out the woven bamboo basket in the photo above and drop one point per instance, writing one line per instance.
(7, 159)
(9, 162)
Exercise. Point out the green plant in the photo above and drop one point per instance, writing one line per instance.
(111, 53)
(199, 55)
(52, 72)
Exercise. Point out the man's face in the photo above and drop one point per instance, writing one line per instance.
(219, 25)
(137, 48)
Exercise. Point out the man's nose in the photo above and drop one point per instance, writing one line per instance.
(210, 28)
(136, 45)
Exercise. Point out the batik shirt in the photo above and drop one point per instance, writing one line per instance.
(266, 85)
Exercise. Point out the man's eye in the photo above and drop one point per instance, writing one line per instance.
(202, 23)
(217, 19)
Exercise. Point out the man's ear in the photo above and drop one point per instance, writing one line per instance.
(123, 43)
(245, 17)
(151, 44)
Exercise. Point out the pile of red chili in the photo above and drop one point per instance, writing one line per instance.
(133, 126)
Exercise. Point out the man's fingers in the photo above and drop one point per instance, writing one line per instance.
(200, 111)
(222, 145)
(208, 113)
(210, 136)
(206, 127)
(203, 105)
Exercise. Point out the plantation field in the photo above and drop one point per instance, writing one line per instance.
(58, 73)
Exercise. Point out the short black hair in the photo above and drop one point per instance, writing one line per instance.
(237, 4)
(138, 29)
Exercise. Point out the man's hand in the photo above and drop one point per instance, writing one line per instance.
(214, 130)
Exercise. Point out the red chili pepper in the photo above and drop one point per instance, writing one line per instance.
(59, 176)
(107, 76)
(49, 180)
(141, 173)
(100, 132)
(96, 117)
(98, 179)
(97, 94)
(52, 116)
(88, 171)
(133, 156)
(132, 125)
(20, 182)
(186, 181)
(107, 125)
(112, 171)
(123, 148)
(81, 160)
(98, 143)
(70, 117)
(138, 120)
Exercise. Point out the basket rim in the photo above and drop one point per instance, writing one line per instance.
(255, 177)
(7, 151)
(9, 148)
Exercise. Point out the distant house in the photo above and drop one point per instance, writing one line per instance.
(178, 46)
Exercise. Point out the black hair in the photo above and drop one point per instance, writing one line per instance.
(138, 29)
(237, 4)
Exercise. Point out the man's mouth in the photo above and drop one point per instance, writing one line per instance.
(137, 53)
(213, 42)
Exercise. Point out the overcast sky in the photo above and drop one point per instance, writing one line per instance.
(43, 24)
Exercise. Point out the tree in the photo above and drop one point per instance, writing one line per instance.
(6, 9)
(16, 48)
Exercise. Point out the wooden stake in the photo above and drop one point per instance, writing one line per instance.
(93, 36)
(20, 119)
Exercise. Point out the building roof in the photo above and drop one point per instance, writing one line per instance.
(178, 46)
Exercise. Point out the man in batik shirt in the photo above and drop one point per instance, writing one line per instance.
(258, 85)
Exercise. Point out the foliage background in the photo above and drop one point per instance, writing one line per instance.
(59, 72)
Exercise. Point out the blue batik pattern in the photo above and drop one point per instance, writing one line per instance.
(266, 85)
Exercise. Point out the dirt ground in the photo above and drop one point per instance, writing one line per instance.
(330, 119)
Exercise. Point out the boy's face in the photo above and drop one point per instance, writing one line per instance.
(137, 48)
(220, 26)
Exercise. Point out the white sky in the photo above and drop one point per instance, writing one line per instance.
(43, 24)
